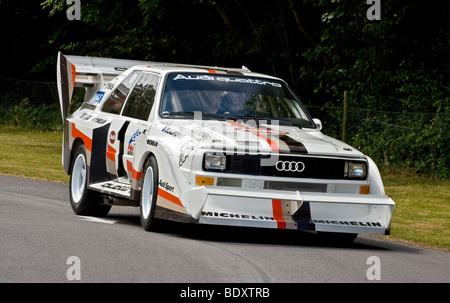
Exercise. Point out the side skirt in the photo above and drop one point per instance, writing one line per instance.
(114, 188)
(168, 214)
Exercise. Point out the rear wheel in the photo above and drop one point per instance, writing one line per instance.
(83, 200)
(149, 193)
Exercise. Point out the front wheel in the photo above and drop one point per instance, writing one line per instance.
(149, 194)
(83, 200)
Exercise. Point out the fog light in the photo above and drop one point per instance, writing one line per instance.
(213, 161)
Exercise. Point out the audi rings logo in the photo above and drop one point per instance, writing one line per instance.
(291, 166)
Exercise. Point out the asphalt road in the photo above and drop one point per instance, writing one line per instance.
(42, 240)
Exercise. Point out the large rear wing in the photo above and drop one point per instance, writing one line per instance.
(88, 72)
(92, 72)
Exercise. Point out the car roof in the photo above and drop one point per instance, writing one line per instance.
(165, 68)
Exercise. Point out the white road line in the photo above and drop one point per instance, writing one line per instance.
(98, 220)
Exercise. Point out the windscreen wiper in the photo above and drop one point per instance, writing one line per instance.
(179, 113)
(182, 113)
(260, 118)
(286, 122)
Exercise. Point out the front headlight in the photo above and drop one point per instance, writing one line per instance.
(356, 170)
(213, 161)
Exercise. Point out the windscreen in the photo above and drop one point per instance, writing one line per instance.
(231, 97)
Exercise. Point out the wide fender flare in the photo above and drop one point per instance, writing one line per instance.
(376, 183)
(166, 160)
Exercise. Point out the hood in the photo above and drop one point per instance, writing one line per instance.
(263, 138)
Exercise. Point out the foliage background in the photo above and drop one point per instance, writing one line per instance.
(395, 70)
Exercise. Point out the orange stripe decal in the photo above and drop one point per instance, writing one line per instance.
(278, 213)
(168, 196)
(76, 133)
(211, 71)
(111, 153)
(73, 75)
(134, 173)
(257, 132)
(273, 145)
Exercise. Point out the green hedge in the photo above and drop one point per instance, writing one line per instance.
(419, 141)
(25, 114)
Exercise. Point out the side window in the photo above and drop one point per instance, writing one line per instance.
(141, 99)
(117, 98)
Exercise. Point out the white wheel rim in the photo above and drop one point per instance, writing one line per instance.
(147, 192)
(78, 178)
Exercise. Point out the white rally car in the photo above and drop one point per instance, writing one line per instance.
(210, 145)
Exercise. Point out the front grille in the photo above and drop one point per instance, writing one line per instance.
(314, 167)
(248, 165)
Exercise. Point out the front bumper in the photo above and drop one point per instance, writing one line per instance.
(344, 213)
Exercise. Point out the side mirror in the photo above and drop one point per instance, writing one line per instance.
(318, 123)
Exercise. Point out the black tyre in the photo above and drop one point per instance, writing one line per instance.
(83, 200)
(149, 194)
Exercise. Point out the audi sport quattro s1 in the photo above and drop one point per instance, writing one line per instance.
(210, 145)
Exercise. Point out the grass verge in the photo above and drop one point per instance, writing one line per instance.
(32, 154)
(421, 215)
(422, 209)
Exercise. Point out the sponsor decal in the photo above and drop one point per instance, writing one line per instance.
(98, 120)
(166, 186)
(236, 216)
(203, 135)
(88, 106)
(130, 149)
(172, 132)
(348, 223)
(86, 116)
(113, 186)
(112, 137)
(226, 79)
(133, 137)
(152, 143)
(99, 96)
